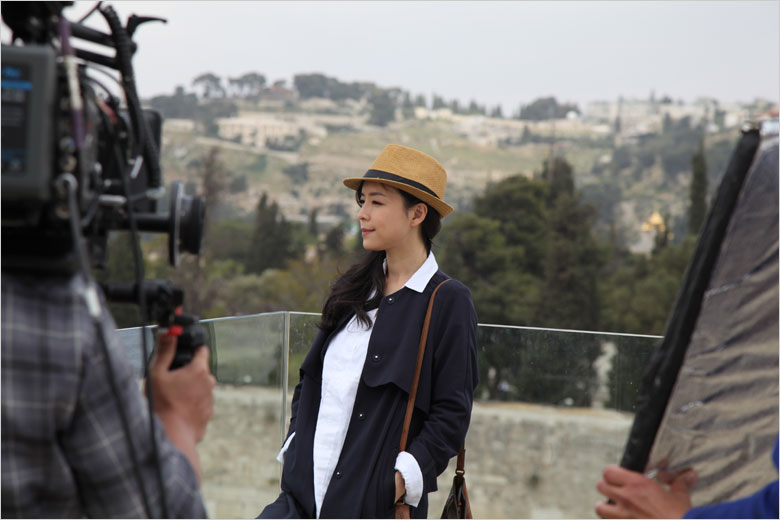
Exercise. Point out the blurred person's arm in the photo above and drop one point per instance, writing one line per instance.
(183, 398)
(96, 443)
(633, 495)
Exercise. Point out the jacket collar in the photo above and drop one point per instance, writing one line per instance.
(419, 280)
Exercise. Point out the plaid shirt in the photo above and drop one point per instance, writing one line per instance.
(64, 451)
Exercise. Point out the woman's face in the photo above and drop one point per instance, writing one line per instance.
(385, 221)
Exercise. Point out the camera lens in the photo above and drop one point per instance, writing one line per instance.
(185, 220)
(183, 223)
(191, 224)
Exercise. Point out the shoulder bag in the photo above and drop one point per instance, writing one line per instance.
(457, 504)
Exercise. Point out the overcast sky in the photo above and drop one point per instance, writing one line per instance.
(495, 52)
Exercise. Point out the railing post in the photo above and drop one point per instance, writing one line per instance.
(285, 371)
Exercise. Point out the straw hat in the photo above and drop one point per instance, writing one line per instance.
(411, 171)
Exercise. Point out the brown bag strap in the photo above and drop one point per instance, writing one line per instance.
(461, 468)
(418, 367)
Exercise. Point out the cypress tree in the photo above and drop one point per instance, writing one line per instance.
(697, 211)
(271, 239)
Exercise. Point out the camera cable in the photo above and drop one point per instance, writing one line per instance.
(67, 184)
(122, 44)
(139, 280)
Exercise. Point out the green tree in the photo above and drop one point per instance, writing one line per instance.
(252, 83)
(474, 250)
(639, 294)
(438, 102)
(382, 109)
(334, 241)
(529, 257)
(572, 266)
(638, 297)
(527, 135)
(248, 85)
(236, 87)
(339, 91)
(298, 173)
(313, 226)
(476, 109)
(407, 107)
(180, 105)
(211, 85)
(229, 239)
(494, 252)
(697, 211)
(540, 109)
(209, 112)
(274, 240)
(311, 85)
(519, 204)
(558, 174)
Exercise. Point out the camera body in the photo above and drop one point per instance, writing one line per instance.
(59, 120)
(28, 101)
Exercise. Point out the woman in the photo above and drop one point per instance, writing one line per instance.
(341, 457)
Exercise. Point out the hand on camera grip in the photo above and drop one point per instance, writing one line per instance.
(183, 398)
(191, 336)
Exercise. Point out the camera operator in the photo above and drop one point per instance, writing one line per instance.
(78, 437)
(64, 449)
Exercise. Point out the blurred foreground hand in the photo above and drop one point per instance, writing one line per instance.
(183, 398)
(637, 496)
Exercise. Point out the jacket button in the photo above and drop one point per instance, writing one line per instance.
(391, 299)
(376, 358)
(338, 474)
(361, 416)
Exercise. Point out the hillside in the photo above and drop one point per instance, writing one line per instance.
(627, 180)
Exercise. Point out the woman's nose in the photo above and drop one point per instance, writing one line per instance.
(362, 213)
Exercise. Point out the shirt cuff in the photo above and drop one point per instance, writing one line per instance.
(412, 474)
(280, 457)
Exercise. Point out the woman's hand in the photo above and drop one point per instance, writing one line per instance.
(401, 511)
(400, 486)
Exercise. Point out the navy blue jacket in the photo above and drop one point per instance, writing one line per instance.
(363, 484)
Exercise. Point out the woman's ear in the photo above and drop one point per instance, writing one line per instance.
(419, 212)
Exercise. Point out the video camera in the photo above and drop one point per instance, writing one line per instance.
(62, 127)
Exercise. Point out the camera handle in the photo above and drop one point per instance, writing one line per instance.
(191, 335)
(164, 307)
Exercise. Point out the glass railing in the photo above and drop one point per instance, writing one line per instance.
(553, 407)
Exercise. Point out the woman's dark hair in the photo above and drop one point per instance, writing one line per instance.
(349, 295)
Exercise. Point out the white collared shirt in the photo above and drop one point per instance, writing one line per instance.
(341, 372)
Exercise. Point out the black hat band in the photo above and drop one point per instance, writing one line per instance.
(379, 174)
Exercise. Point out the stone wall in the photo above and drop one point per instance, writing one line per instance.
(522, 460)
